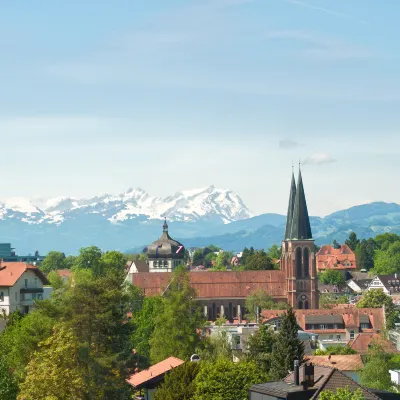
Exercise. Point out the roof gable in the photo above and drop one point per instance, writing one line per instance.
(10, 272)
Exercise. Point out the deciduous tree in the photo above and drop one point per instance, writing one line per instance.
(53, 261)
(331, 277)
(341, 394)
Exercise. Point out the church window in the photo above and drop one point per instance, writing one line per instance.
(298, 263)
(306, 305)
(300, 307)
(306, 260)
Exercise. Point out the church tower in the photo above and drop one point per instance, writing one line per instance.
(298, 251)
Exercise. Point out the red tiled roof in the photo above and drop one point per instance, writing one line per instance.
(351, 316)
(351, 362)
(218, 284)
(330, 258)
(363, 340)
(10, 272)
(64, 273)
(140, 378)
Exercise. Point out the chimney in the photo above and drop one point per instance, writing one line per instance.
(296, 373)
(308, 374)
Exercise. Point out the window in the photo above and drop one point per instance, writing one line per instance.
(298, 263)
(351, 334)
(1, 296)
(364, 326)
(35, 282)
(16, 296)
(26, 282)
(337, 337)
(330, 337)
(306, 259)
(323, 326)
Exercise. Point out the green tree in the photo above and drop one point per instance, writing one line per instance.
(53, 261)
(331, 277)
(217, 346)
(384, 240)
(226, 380)
(245, 254)
(197, 257)
(8, 382)
(287, 347)
(274, 252)
(341, 394)
(375, 374)
(259, 260)
(263, 301)
(176, 328)
(114, 262)
(387, 261)
(376, 298)
(335, 350)
(260, 346)
(365, 252)
(144, 325)
(55, 370)
(90, 258)
(352, 241)
(69, 262)
(179, 384)
(55, 280)
(330, 300)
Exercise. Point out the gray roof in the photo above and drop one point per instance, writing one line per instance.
(324, 319)
(141, 266)
(166, 247)
(301, 228)
(292, 198)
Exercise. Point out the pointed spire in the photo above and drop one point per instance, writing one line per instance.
(165, 226)
(301, 228)
(292, 197)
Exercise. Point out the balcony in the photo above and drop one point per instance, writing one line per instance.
(31, 290)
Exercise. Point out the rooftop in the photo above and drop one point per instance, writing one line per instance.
(11, 271)
(351, 362)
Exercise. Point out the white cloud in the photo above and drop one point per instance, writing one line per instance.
(318, 159)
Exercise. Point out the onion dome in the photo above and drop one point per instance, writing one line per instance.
(165, 246)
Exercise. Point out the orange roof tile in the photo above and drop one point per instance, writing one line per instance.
(330, 258)
(363, 340)
(154, 371)
(10, 272)
(217, 284)
(352, 362)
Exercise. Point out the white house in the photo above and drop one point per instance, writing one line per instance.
(133, 267)
(20, 285)
(388, 283)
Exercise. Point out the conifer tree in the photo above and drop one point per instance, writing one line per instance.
(287, 347)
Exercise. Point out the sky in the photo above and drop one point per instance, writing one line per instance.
(99, 96)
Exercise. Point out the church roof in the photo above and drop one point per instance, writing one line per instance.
(165, 246)
(213, 284)
(292, 198)
(301, 228)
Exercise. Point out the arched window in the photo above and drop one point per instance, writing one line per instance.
(306, 305)
(306, 261)
(298, 263)
(300, 306)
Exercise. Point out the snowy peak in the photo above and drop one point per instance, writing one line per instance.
(187, 205)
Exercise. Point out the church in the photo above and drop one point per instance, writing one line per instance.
(224, 293)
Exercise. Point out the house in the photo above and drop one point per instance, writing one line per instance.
(334, 327)
(390, 284)
(337, 257)
(363, 341)
(64, 274)
(350, 364)
(20, 285)
(308, 381)
(148, 380)
(340, 289)
(358, 285)
(135, 266)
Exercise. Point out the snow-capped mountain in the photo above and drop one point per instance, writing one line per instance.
(186, 206)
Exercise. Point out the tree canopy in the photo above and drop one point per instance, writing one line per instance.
(331, 277)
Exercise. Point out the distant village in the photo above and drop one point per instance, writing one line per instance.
(336, 336)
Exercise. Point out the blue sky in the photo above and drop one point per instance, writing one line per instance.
(99, 96)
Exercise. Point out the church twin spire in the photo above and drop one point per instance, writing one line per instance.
(298, 222)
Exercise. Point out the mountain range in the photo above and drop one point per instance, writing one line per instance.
(131, 220)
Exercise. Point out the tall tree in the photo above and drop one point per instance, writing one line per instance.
(287, 347)
(331, 277)
(176, 328)
(275, 252)
(90, 258)
(179, 384)
(259, 260)
(55, 371)
(227, 380)
(387, 261)
(114, 262)
(53, 261)
(261, 300)
(365, 252)
(352, 241)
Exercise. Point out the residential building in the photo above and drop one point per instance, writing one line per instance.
(338, 290)
(165, 254)
(358, 286)
(390, 284)
(338, 257)
(334, 327)
(148, 380)
(364, 340)
(224, 293)
(308, 382)
(135, 266)
(351, 364)
(20, 285)
(7, 253)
